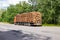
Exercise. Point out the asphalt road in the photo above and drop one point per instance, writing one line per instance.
(18, 32)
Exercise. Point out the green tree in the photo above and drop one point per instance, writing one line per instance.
(13, 10)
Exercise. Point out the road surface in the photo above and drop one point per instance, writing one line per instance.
(29, 32)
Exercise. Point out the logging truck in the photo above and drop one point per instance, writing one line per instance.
(30, 18)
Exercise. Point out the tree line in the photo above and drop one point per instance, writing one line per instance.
(50, 10)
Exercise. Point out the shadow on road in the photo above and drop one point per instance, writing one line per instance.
(19, 35)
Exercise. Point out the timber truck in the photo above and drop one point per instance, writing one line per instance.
(29, 18)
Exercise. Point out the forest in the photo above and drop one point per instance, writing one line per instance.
(50, 10)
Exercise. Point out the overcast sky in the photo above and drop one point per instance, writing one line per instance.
(5, 3)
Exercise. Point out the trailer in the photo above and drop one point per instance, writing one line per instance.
(30, 18)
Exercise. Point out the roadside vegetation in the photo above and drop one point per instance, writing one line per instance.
(50, 10)
(52, 25)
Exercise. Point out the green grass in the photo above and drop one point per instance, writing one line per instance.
(51, 25)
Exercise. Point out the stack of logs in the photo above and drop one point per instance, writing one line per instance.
(31, 17)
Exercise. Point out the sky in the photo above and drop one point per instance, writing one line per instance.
(6, 3)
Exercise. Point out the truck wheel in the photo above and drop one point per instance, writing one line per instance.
(15, 23)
